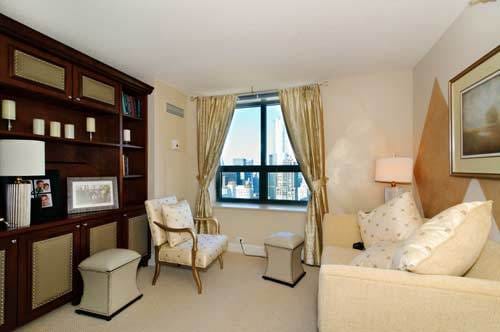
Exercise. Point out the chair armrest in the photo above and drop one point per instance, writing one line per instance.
(181, 230)
(389, 300)
(211, 219)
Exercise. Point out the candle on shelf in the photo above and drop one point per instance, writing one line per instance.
(69, 131)
(9, 112)
(126, 135)
(91, 126)
(38, 126)
(55, 129)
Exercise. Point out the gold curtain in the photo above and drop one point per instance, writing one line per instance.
(213, 118)
(303, 113)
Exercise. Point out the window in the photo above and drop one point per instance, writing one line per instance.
(258, 164)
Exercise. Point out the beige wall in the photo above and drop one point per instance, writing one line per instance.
(366, 116)
(473, 34)
(167, 167)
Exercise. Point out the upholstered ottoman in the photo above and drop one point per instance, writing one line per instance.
(283, 258)
(109, 282)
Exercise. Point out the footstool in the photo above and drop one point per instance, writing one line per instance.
(283, 258)
(109, 282)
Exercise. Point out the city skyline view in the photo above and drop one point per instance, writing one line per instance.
(243, 148)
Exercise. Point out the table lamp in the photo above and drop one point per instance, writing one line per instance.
(20, 158)
(393, 170)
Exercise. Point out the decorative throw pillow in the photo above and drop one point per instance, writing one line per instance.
(449, 243)
(177, 216)
(379, 255)
(394, 221)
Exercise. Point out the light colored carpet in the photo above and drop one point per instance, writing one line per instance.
(235, 299)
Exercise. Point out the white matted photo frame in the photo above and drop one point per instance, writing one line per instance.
(474, 98)
(89, 194)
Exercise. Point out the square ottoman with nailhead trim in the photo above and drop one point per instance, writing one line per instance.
(109, 282)
(284, 263)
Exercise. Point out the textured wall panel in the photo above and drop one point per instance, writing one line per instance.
(103, 237)
(437, 189)
(52, 269)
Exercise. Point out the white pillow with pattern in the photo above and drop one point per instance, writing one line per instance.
(449, 243)
(177, 216)
(394, 221)
(377, 256)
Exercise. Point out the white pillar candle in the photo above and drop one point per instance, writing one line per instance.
(126, 135)
(91, 125)
(69, 131)
(55, 129)
(38, 126)
(8, 109)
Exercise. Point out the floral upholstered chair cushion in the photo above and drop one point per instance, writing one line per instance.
(209, 248)
(394, 221)
(153, 209)
(177, 216)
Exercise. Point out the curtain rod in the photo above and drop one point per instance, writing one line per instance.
(323, 83)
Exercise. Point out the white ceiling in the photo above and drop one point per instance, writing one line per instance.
(218, 46)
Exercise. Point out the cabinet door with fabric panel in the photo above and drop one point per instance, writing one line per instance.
(94, 90)
(137, 234)
(30, 68)
(46, 275)
(99, 234)
(8, 283)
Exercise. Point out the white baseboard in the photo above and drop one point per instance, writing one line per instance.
(251, 249)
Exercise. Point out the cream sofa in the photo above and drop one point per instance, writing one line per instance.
(359, 299)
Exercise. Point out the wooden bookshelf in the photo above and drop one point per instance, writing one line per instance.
(62, 98)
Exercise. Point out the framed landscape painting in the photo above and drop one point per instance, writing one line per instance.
(92, 194)
(475, 118)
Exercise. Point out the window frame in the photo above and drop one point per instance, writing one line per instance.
(263, 169)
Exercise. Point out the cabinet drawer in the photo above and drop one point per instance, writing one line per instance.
(29, 68)
(37, 70)
(94, 90)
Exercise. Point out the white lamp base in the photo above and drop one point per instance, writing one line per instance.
(19, 204)
(392, 192)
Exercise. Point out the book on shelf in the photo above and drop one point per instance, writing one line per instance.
(125, 165)
(131, 106)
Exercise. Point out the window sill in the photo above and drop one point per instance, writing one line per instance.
(262, 207)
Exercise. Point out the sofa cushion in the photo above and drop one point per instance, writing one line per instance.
(378, 255)
(394, 221)
(487, 265)
(177, 216)
(209, 248)
(338, 255)
(449, 243)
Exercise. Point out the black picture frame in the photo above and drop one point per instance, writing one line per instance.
(39, 214)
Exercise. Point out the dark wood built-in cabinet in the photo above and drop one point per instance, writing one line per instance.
(51, 81)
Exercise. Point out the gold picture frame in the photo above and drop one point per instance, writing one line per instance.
(474, 99)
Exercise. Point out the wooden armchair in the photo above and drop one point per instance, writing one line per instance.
(198, 253)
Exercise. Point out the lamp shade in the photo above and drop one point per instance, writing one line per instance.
(8, 109)
(22, 157)
(395, 169)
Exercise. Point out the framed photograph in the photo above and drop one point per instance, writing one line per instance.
(474, 98)
(47, 201)
(92, 194)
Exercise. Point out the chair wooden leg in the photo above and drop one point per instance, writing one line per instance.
(157, 273)
(197, 279)
(221, 262)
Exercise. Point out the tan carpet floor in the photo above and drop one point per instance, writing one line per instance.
(235, 299)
